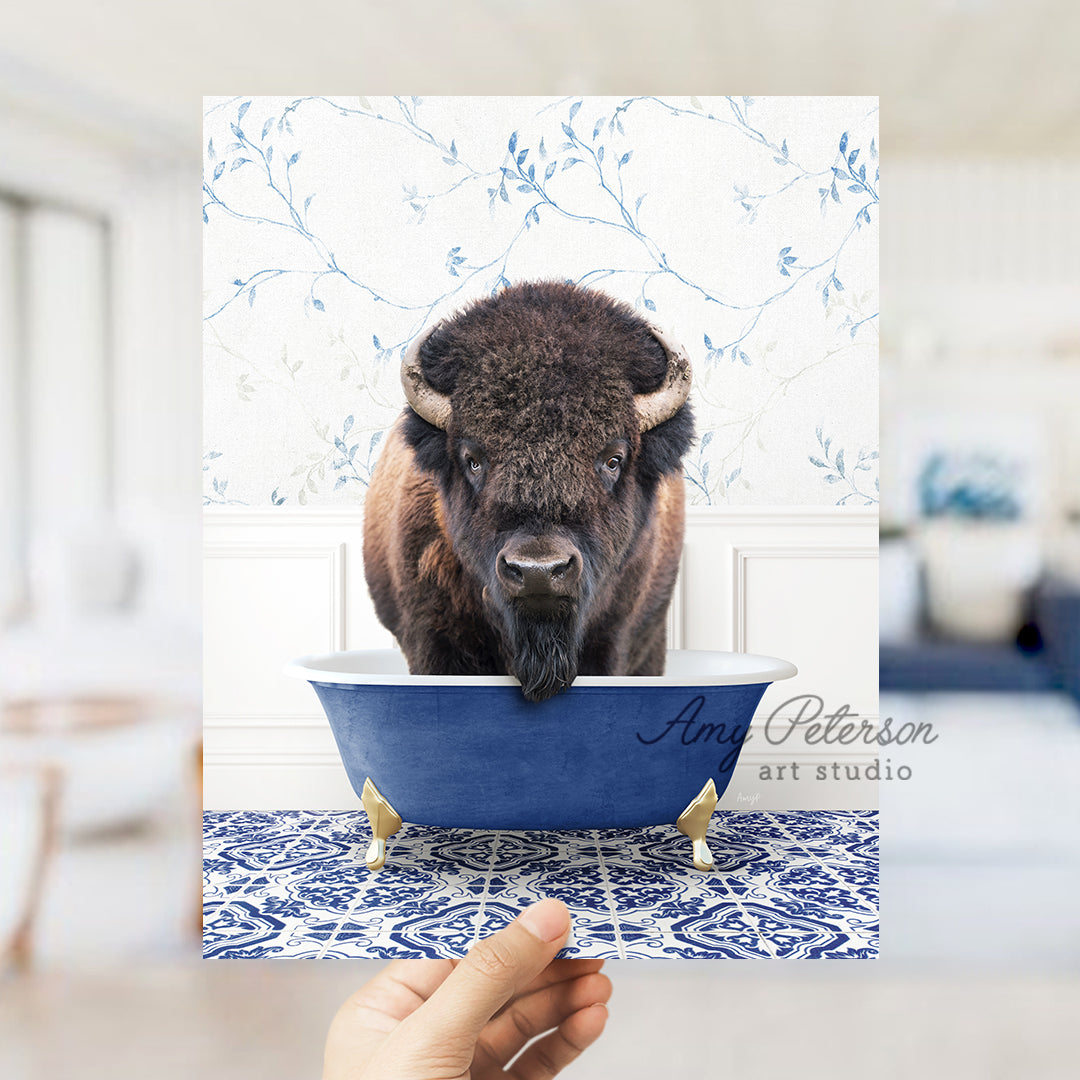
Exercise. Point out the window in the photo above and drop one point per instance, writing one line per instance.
(56, 460)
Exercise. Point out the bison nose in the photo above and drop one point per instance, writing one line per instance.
(539, 572)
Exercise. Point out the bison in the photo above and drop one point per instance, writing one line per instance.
(526, 514)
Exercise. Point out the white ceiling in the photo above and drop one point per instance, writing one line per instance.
(956, 77)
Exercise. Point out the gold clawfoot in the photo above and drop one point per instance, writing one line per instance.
(385, 821)
(694, 821)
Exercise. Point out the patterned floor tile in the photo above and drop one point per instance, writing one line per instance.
(750, 828)
(581, 888)
(294, 884)
(519, 853)
(447, 932)
(831, 836)
(235, 929)
(232, 825)
(665, 848)
(437, 849)
(790, 934)
(808, 892)
(862, 850)
(722, 932)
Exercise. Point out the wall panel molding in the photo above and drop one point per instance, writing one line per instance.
(777, 515)
(272, 747)
(676, 626)
(742, 554)
(333, 554)
(257, 721)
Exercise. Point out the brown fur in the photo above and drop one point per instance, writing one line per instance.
(542, 379)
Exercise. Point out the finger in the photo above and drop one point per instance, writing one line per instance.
(548, 1056)
(368, 1016)
(559, 971)
(398, 990)
(532, 1015)
(420, 978)
(495, 970)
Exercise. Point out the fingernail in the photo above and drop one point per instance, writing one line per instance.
(546, 920)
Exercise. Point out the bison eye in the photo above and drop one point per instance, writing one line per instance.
(610, 461)
(472, 462)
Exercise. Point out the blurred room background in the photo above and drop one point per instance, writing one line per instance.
(980, 546)
(99, 587)
(100, 110)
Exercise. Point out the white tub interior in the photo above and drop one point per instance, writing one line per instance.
(685, 667)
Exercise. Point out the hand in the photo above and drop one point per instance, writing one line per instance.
(466, 1019)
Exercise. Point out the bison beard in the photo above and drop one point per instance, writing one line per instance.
(543, 651)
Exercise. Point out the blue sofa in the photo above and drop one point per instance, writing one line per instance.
(1044, 657)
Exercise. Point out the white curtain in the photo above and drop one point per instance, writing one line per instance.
(11, 479)
(55, 385)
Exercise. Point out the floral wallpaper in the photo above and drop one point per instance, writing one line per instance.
(336, 229)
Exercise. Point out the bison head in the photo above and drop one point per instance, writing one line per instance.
(547, 414)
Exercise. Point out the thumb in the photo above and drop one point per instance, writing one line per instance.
(493, 972)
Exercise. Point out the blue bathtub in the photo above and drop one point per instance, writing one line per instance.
(471, 752)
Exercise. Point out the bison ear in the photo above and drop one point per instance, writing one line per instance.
(426, 399)
(661, 381)
(668, 397)
(429, 447)
(428, 375)
(664, 446)
(649, 365)
(439, 360)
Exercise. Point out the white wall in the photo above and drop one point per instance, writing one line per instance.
(67, 381)
(157, 392)
(11, 478)
(773, 294)
(800, 583)
(982, 271)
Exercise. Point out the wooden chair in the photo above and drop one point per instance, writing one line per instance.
(30, 796)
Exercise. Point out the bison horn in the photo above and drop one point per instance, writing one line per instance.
(425, 400)
(662, 404)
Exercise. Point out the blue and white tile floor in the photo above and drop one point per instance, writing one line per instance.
(788, 884)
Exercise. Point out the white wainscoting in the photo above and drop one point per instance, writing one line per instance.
(800, 583)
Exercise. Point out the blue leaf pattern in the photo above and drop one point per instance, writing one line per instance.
(337, 228)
